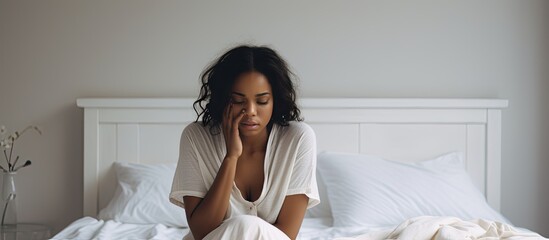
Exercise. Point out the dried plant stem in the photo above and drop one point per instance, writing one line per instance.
(24, 130)
(27, 163)
(14, 163)
(6, 208)
(11, 151)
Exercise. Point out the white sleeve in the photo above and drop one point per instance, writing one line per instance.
(303, 178)
(188, 179)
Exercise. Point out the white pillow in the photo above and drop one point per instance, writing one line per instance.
(322, 210)
(142, 194)
(368, 190)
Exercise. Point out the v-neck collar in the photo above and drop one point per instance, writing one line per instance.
(266, 164)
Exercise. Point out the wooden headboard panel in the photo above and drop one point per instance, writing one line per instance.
(147, 130)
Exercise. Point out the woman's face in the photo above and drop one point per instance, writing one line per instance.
(252, 92)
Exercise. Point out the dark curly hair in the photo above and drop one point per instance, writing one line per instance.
(219, 77)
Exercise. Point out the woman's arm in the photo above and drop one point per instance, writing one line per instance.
(291, 214)
(302, 183)
(206, 214)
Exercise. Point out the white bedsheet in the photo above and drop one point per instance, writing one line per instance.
(438, 228)
(91, 228)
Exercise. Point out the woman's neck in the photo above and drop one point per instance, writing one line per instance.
(256, 143)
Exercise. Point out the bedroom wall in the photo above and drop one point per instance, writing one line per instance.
(53, 52)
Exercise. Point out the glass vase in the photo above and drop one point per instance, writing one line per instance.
(9, 199)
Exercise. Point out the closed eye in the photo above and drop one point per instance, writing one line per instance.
(235, 101)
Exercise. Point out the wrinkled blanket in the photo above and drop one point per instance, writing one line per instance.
(435, 228)
(450, 228)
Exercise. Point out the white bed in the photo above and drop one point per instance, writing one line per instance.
(405, 130)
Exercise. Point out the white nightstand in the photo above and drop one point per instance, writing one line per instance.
(25, 231)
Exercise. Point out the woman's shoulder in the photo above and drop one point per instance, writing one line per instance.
(296, 135)
(296, 129)
(195, 129)
(194, 126)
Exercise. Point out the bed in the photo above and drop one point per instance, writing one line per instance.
(385, 166)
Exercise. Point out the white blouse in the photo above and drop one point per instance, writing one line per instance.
(289, 169)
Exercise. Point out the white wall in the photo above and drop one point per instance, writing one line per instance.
(52, 52)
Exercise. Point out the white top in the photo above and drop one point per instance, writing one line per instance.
(289, 169)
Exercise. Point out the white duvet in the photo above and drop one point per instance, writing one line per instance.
(91, 228)
(426, 227)
(449, 228)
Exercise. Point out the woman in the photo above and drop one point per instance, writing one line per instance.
(247, 170)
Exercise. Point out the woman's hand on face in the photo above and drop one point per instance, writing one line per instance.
(230, 132)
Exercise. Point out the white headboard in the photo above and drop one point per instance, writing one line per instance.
(147, 130)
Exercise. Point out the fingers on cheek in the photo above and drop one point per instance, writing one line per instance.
(241, 114)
